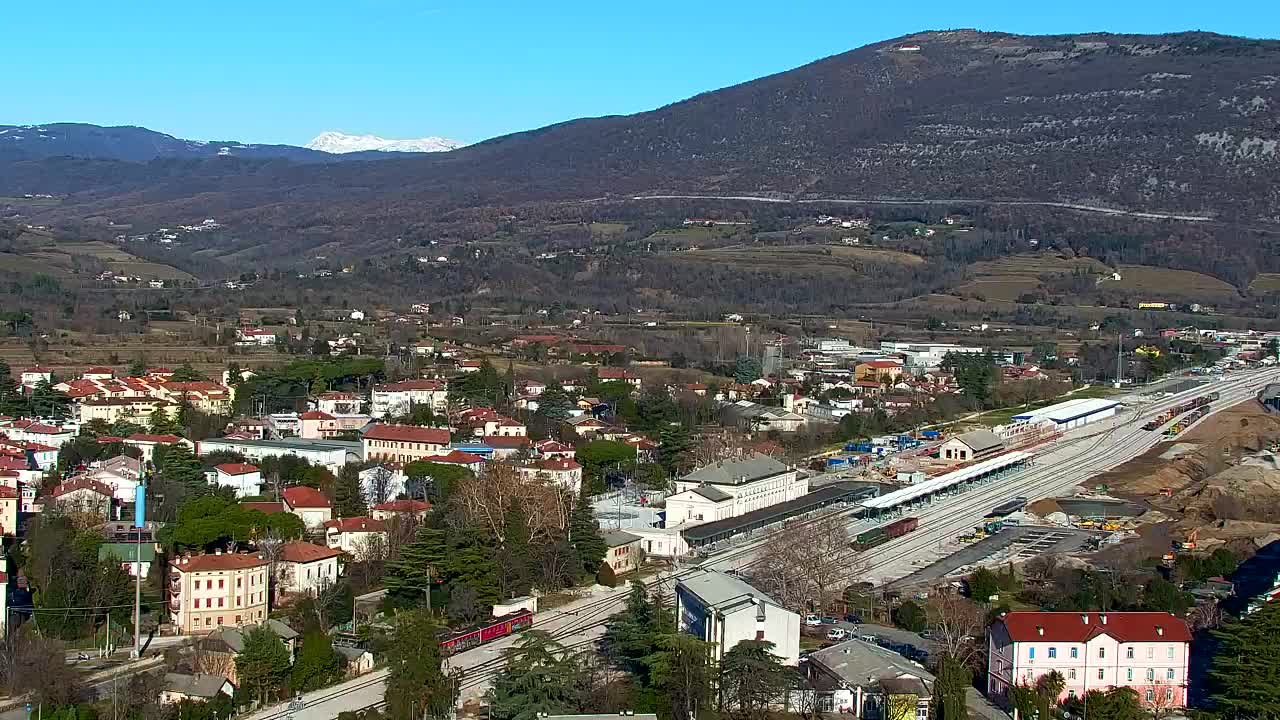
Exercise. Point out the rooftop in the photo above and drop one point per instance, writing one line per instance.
(301, 496)
(1069, 410)
(236, 468)
(198, 686)
(617, 538)
(854, 661)
(219, 561)
(1080, 627)
(408, 433)
(305, 552)
(738, 471)
(721, 591)
(981, 440)
(290, 444)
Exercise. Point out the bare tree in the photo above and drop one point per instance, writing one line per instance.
(808, 564)
(1163, 701)
(485, 501)
(378, 486)
(953, 622)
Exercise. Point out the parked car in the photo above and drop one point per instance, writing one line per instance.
(837, 634)
(854, 618)
(829, 620)
(812, 620)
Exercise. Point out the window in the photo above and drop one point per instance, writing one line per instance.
(1151, 695)
(221, 583)
(219, 602)
(922, 712)
(759, 635)
(1031, 653)
(1170, 655)
(237, 619)
(238, 581)
(1151, 652)
(1128, 675)
(1053, 653)
(1101, 674)
(1128, 653)
(1168, 694)
(1071, 694)
(1029, 674)
(1075, 653)
(1102, 652)
(219, 620)
(1168, 674)
(208, 622)
(1151, 675)
(1071, 674)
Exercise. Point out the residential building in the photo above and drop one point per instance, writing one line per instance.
(10, 499)
(472, 462)
(878, 370)
(585, 425)
(624, 554)
(733, 487)
(405, 443)
(1147, 651)
(113, 409)
(318, 424)
(83, 496)
(925, 355)
(505, 447)
(121, 473)
(355, 536)
(146, 443)
(754, 417)
(255, 336)
(306, 568)
(332, 454)
(216, 651)
(134, 557)
(723, 610)
(609, 374)
(553, 448)
(33, 431)
(209, 591)
(33, 376)
(244, 478)
(397, 399)
(565, 472)
(861, 679)
(339, 403)
(970, 446)
(200, 687)
(206, 396)
(309, 504)
(400, 508)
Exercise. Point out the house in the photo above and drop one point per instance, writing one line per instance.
(878, 370)
(723, 610)
(244, 478)
(34, 431)
(255, 336)
(306, 568)
(861, 679)
(404, 443)
(339, 403)
(200, 687)
(309, 504)
(1147, 651)
(608, 374)
(401, 508)
(33, 376)
(113, 409)
(970, 446)
(474, 463)
(83, 495)
(355, 536)
(147, 443)
(733, 487)
(10, 498)
(209, 591)
(318, 424)
(397, 399)
(126, 552)
(216, 651)
(206, 396)
(332, 454)
(553, 448)
(98, 372)
(585, 425)
(505, 447)
(565, 472)
(359, 661)
(754, 417)
(623, 554)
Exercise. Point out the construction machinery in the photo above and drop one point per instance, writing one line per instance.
(1188, 541)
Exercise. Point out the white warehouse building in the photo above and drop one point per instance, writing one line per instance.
(1072, 413)
(723, 610)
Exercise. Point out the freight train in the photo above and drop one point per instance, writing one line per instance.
(1007, 508)
(456, 641)
(868, 539)
(1177, 410)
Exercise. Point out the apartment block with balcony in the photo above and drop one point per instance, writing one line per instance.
(221, 589)
(1147, 651)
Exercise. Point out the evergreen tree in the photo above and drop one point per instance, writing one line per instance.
(752, 678)
(262, 666)
(472, 560)
(47, 402)
(537, 679)
(137, 368)
(554, 404)
(318, 663)
(674, 446)
(747, 369)
(175, 464)
(186, 373)
(410, 576)
(584, 534)
(348, 495)
(161, 423)
(629, 635)
(679, 669)
(12, 401)
(418, 687)
(516, 561)
(950, 690)
(1245, 675)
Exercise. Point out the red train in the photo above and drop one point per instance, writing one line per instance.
(456, 642)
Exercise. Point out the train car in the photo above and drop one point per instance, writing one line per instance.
(456, 642)
(868, 539)
(901, 527)
(1012, 506)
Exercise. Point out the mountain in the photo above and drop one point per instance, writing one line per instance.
(340, 143)
(138, 144)
(1178, 123)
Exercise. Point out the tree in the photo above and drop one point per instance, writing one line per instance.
(262, 666)
(378, 487)
(433, 481)
(318, 663)
(161, 422)
(584, 535)
(974, 372)
(186, 373)
(420, 684)
(674, 448)
(953, 623)
(554, 404)
(680, 671)
(1050, 685)
(137, 368)
(47, 402)
(629, 635)
(983, 584)
(33, 664)
(951, 689)
(537, 678)
(808, 566)
(348, 496)
(605, 576)
(746, 370)
(752, 679)
(411, 576)
(1160, 595)
(910, 616)
(1245, 674)
(463, 603)
(516, 561)
(598, 455)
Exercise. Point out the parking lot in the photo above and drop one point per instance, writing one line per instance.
(1012, 544)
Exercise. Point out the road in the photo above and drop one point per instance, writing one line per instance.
(1068, 462)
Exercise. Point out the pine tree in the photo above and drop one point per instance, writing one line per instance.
(674, 446)
(12, 402)
(318, 663)
(348, 495)
(679, 669)
(472, 560)
(419, 566)
(418, 687)
(177, 465)
(949, 693)
(537, 679)
(752, 678)
(161, 423)
(584, 533)
(629, 635)
(45, 401)
(262, 666)
(515, 561)
(137, 368)
(1245, 676)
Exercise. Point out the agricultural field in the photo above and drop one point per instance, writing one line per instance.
(1159, 281)
(1265, 283)
(800, 258)
(692, 235)
(62, 259)
(1007, 278)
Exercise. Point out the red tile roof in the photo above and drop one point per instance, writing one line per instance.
(405, 505)
(505, 442)
(225, 561)
(301, 496)
(236, 468)
(557, 464)
(315, 415)
(8, 492)
(883, 363)
(1072, 627)
(408, 433)
(81, 484)
(456, 457)
(266, 507)
(356, 524)
(305, 552)
(158, 439)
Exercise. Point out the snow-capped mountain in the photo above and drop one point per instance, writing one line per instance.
(337, 142)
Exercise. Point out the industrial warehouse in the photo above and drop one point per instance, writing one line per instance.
(1072, 413)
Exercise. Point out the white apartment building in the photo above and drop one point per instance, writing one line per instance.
(399, 398)
(1147, 651)
(724, 611)
(924, 355)
(210, 591)
(730, 488)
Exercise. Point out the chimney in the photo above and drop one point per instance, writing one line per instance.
(1103, 618)
(1084, 617)
(1040, 629)
(218, 551)
(1159, 630)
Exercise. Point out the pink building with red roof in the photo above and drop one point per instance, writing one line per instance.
(309, 504)
(1147, 651)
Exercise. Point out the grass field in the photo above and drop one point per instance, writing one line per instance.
(1157, 281)
(692, 235)
(1266, 282)
(801, 258)
(1009, 277)
(29, 202)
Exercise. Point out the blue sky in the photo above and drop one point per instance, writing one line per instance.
(284, 70)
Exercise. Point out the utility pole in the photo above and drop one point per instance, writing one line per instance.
(139, 515)
(1119, 359)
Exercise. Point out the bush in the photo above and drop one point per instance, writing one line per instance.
(910, 616)
(605, 576)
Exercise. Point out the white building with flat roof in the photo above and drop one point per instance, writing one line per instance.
(1072, 413)
(925, 354)
(724, 611)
